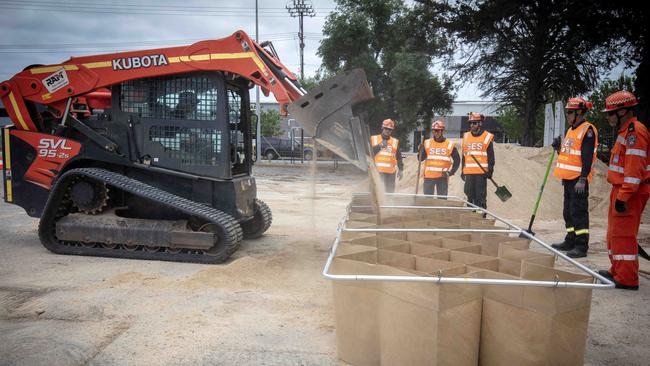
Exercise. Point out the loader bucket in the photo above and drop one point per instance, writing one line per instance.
(326, 113)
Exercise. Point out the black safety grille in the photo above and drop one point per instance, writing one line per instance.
(192, 146)
(192, 97)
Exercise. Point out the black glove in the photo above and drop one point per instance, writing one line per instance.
(556, 143)
(462, 176)
(620, 206)
(581, 186)
(449, 174)
(489, 174)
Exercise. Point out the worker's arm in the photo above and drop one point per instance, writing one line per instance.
(490, 155)
(423, 154)
(400, 163)
(587, 152)
(376, 149)
(455, 157)
(635, 162)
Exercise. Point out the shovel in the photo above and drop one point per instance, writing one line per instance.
(502, 192)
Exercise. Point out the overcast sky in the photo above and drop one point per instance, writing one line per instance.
(49, 31)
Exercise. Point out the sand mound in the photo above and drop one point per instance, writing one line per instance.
(521, 170)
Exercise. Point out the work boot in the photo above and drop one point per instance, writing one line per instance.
(626, 287)
(565, 245)
(576, 253)
(605, 273)
(568, 244)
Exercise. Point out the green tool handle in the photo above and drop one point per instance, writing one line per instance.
(417, 158)
(541, 191)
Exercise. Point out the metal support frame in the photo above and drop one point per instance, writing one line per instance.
(512, 228)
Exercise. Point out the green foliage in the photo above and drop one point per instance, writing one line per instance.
(271, 123)
(512, 121)
(522, 51)
(383, 38)
(598, 96)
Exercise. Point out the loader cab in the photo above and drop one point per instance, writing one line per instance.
(197, 123)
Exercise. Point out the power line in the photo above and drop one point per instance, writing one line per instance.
(300, 9)
(139, 11)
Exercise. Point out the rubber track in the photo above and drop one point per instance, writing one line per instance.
(55, 208)
(267, 218)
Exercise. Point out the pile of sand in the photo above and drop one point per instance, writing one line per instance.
(521, 170)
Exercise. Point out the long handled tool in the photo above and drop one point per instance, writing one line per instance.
(502, 192)
(541, 191)
(417, 158)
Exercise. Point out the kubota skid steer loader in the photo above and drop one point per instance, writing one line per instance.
(148, 154)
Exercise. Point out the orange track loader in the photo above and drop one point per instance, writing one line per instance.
(148, 154)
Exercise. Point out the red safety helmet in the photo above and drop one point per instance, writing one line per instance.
(578, 103)
(618, 100)
(438, 125)
(475, 116)
(388, 123)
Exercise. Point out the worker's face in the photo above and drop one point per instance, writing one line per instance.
(437, 134)
(614, 116)
(474, 125)
(386, 132)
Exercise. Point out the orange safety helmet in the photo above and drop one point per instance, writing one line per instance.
(475, 116)
(388, 123)
(618, 100)
(578, 103)
(438, 125)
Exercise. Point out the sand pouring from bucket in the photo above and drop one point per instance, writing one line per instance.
(327, 114)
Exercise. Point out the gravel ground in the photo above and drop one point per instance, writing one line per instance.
(268, 305)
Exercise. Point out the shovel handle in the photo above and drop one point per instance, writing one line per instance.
(483, 169)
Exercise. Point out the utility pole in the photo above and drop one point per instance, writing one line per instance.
(301, 9)
(258, 109)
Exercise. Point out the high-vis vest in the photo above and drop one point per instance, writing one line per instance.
(438, 158)
(476, 146)
(628, 164)
(569, 162)
(386, 158)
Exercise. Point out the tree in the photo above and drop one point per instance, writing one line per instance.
(598, 96)
(381, 37)
(521, 52)
(271, 123)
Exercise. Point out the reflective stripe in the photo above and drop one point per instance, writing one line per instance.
(583, 130)
(481, 153)
(582, 231)
(385, 153)
(487, 138)
(620, 140)
(438, 157)
(472, 165)
(571, 151)
(569, 167)
(624, 257)
(631, 180)
(570, 230)
(384, 165)
(647, 167)
(636, 152)
(433, 169)
(451, 145)
(616, 168)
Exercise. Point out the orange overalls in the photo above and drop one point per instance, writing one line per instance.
(628, 172)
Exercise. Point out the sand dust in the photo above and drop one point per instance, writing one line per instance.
(521, 170)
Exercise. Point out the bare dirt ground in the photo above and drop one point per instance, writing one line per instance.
(268, 305)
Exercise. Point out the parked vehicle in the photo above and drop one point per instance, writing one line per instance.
(277, 147)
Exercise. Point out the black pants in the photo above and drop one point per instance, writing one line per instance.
(576, 215)
(439, 185)
(389, 182)
(476, 189)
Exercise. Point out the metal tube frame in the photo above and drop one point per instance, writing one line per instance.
(512, 228)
